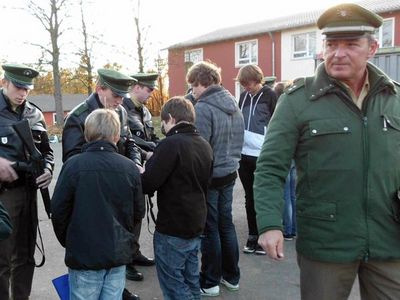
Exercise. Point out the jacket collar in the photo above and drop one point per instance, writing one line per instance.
(99, 146)
(94, 102)
(322, 84)
(182, 128)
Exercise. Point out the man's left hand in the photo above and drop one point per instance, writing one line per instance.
(43, 181)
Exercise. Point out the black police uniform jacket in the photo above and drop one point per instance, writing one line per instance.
(94, 206)
(73, 137)
(139, 119)
(179, 171)
(11, 145)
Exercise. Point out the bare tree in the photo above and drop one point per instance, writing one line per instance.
(139, 40)
(52, 24)
(85, 55)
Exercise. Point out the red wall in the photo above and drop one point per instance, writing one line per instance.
(223, 54)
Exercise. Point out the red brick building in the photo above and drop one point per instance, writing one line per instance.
(287, 47)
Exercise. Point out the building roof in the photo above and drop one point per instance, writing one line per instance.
(279, 24)
(47, 104)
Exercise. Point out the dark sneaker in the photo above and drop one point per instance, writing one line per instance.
(288, 237)
(250, 246)
(260, 250)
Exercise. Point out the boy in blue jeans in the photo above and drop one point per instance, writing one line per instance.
(94, 205)
(179, 171)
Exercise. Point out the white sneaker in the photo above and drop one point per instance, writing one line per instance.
(231, 287)
(210, 292)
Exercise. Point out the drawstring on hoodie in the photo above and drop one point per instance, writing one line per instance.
(251, 106)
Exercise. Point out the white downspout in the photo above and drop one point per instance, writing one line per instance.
(273, 52)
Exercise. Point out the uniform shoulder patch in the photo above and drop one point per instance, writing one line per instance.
(297, 84)
(81, 108)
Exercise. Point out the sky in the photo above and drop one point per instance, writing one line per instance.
(163, 23)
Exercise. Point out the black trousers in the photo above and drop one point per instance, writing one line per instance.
(137, 228)
(17, 262)
(246, 175)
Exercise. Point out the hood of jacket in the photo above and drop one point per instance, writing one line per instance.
(219, 99)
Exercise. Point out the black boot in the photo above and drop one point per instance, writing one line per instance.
(127, 295)
(141, 260)
(133, 274)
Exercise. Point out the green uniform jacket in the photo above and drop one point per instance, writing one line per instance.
(348, 167)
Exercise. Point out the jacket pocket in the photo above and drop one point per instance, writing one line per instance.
(320, 210)
(7, 135)
(390, 143)
(396, 207)
(328, 143)
(330, 126)
(391, 122)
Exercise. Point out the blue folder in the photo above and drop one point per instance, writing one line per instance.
(61, 284)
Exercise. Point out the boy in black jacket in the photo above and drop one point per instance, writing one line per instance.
(94, 206)
(179, 171)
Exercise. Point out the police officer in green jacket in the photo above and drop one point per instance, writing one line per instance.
(111, 87)
(342, 127)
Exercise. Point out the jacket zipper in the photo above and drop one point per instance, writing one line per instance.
(364, 110)
(363, 114)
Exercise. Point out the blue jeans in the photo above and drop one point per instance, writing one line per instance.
(289, 214)
(106, 284)
(177, 266)
(219, 247)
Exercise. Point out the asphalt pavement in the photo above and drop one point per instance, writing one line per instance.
(261, 277)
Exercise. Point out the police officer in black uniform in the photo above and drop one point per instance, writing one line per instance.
(142, 130)
(19, 196)
(139, 116)
(111, 87)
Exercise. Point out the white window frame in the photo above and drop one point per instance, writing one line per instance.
(308, 52)
(253, 53)
(54, 119)
(238, 90)
(188, 55)
(380, 33)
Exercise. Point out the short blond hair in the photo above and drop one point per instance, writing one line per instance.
(102, 124)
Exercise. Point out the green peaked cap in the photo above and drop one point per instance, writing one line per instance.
(269, 79)
(118, 82)
(146, 79)
(20, 75)
(348, 20)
